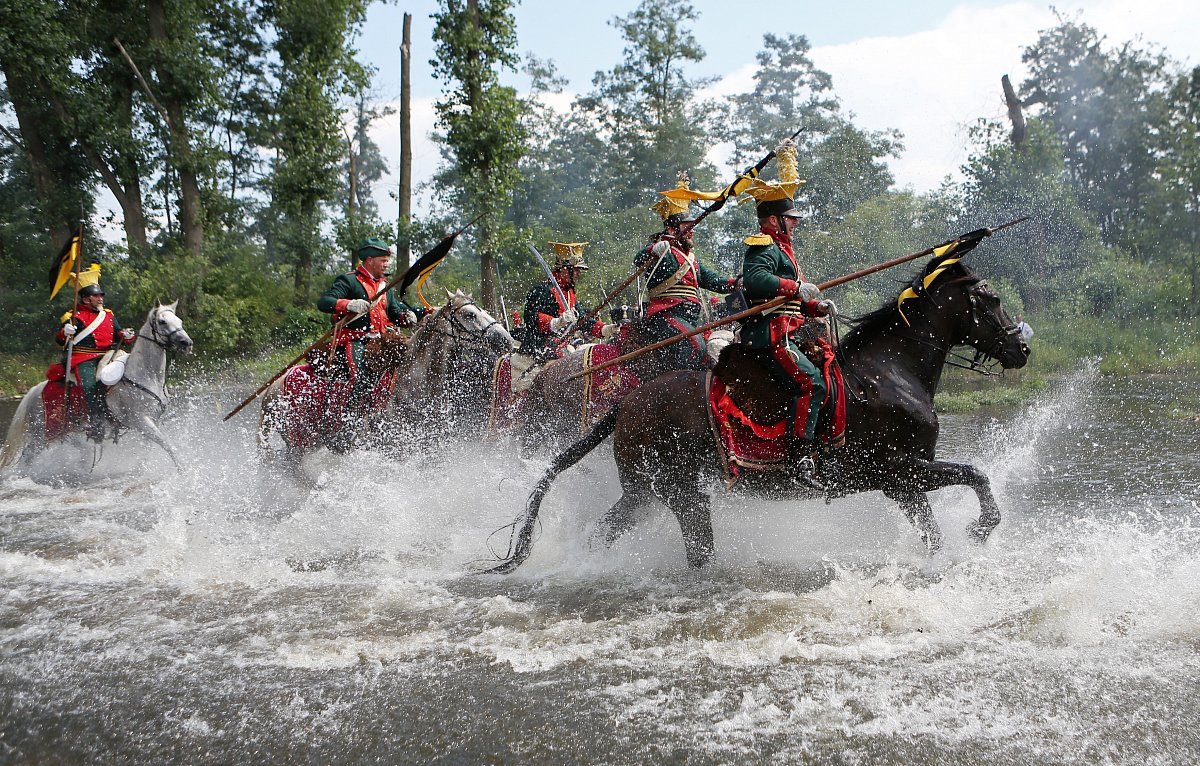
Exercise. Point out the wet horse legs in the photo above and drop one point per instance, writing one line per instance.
(918, 511)
(928, 475)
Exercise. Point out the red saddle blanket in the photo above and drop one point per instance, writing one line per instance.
(604, 389)
(744, 443)
(316, 404)
(504, 410)
(59, 419)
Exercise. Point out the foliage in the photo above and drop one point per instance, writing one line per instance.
(235, 195)
(481, 119)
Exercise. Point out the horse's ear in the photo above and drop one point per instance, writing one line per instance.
(449, 295)
(173, 305)
(156, 303)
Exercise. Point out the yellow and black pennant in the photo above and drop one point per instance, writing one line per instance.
(944, 256)
(64, 262)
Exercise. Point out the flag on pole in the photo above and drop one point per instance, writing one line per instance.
(945, 255)
(424, 266)
(64, 262)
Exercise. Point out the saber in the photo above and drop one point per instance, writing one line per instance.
(562, 298)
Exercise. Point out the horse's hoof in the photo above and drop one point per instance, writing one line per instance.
(978, 533)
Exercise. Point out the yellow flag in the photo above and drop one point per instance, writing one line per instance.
(64, 262)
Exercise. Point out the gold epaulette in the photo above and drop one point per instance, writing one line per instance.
(761, 240)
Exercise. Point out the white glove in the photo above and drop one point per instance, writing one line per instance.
(69, 330)
(828, 308)
(127, 335)
(358, 306)
(409, 319)
(808, 292)
(609, 330)
(560, 323)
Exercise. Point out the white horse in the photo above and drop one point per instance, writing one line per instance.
(450, 360)
(137, 401)
(442, 376)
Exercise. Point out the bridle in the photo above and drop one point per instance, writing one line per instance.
(986, 359)
(157, 338)
(459, 331)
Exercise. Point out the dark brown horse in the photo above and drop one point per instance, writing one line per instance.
(552, 411)
(665, 449)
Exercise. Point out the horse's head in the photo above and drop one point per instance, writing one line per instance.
(954, 293)
(466, 321)
(164, 328)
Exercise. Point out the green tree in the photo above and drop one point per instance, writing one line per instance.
(1046, 256)
(315, 68)
(1104, 106)
(644, 110)
(1171, 227)
(481, 120)
(843, 165)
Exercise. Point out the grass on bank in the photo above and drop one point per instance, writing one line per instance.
(20, 372)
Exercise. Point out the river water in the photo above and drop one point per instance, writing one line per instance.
(224, 614)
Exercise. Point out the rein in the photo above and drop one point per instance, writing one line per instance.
(154, 335)
(985, 360)
(460, 332)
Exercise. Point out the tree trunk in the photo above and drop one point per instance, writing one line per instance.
(36, 137)
(191, 212)
(404, 247)
(302, 276)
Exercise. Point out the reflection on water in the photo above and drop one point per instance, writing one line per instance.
(227, 614)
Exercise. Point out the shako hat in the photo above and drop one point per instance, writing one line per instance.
(568, 254)
(88, 280)
(776, 197)
(675, 205)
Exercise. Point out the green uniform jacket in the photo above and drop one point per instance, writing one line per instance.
(765, 268)
(542, 300)
(347, 287)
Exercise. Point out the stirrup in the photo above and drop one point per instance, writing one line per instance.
(808, 473)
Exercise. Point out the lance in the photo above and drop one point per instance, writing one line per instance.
(423, 265)
(732, 190)
(972, 237)
(68, 378)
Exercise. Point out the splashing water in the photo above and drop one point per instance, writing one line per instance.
(228, 613)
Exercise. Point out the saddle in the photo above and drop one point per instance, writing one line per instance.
(749, 409)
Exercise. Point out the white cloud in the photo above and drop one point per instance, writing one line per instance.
(934, 85)
(931, 85)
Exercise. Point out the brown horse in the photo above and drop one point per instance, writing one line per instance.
(553, 409)
(436, 381)
(892, 362)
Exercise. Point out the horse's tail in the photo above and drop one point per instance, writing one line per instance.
(522, 544)
(14, 443)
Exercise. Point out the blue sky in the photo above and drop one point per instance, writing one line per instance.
(577, 35)
(929, 69)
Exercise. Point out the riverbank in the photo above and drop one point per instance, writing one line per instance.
(1121, 348)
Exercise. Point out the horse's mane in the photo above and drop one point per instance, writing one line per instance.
(888, 315)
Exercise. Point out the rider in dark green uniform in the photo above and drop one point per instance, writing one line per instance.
(550, 311)
(769, 270)
(352, 294)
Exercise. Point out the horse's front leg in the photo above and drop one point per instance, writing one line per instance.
(929, 475)
(149, 429)
(916, 507)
